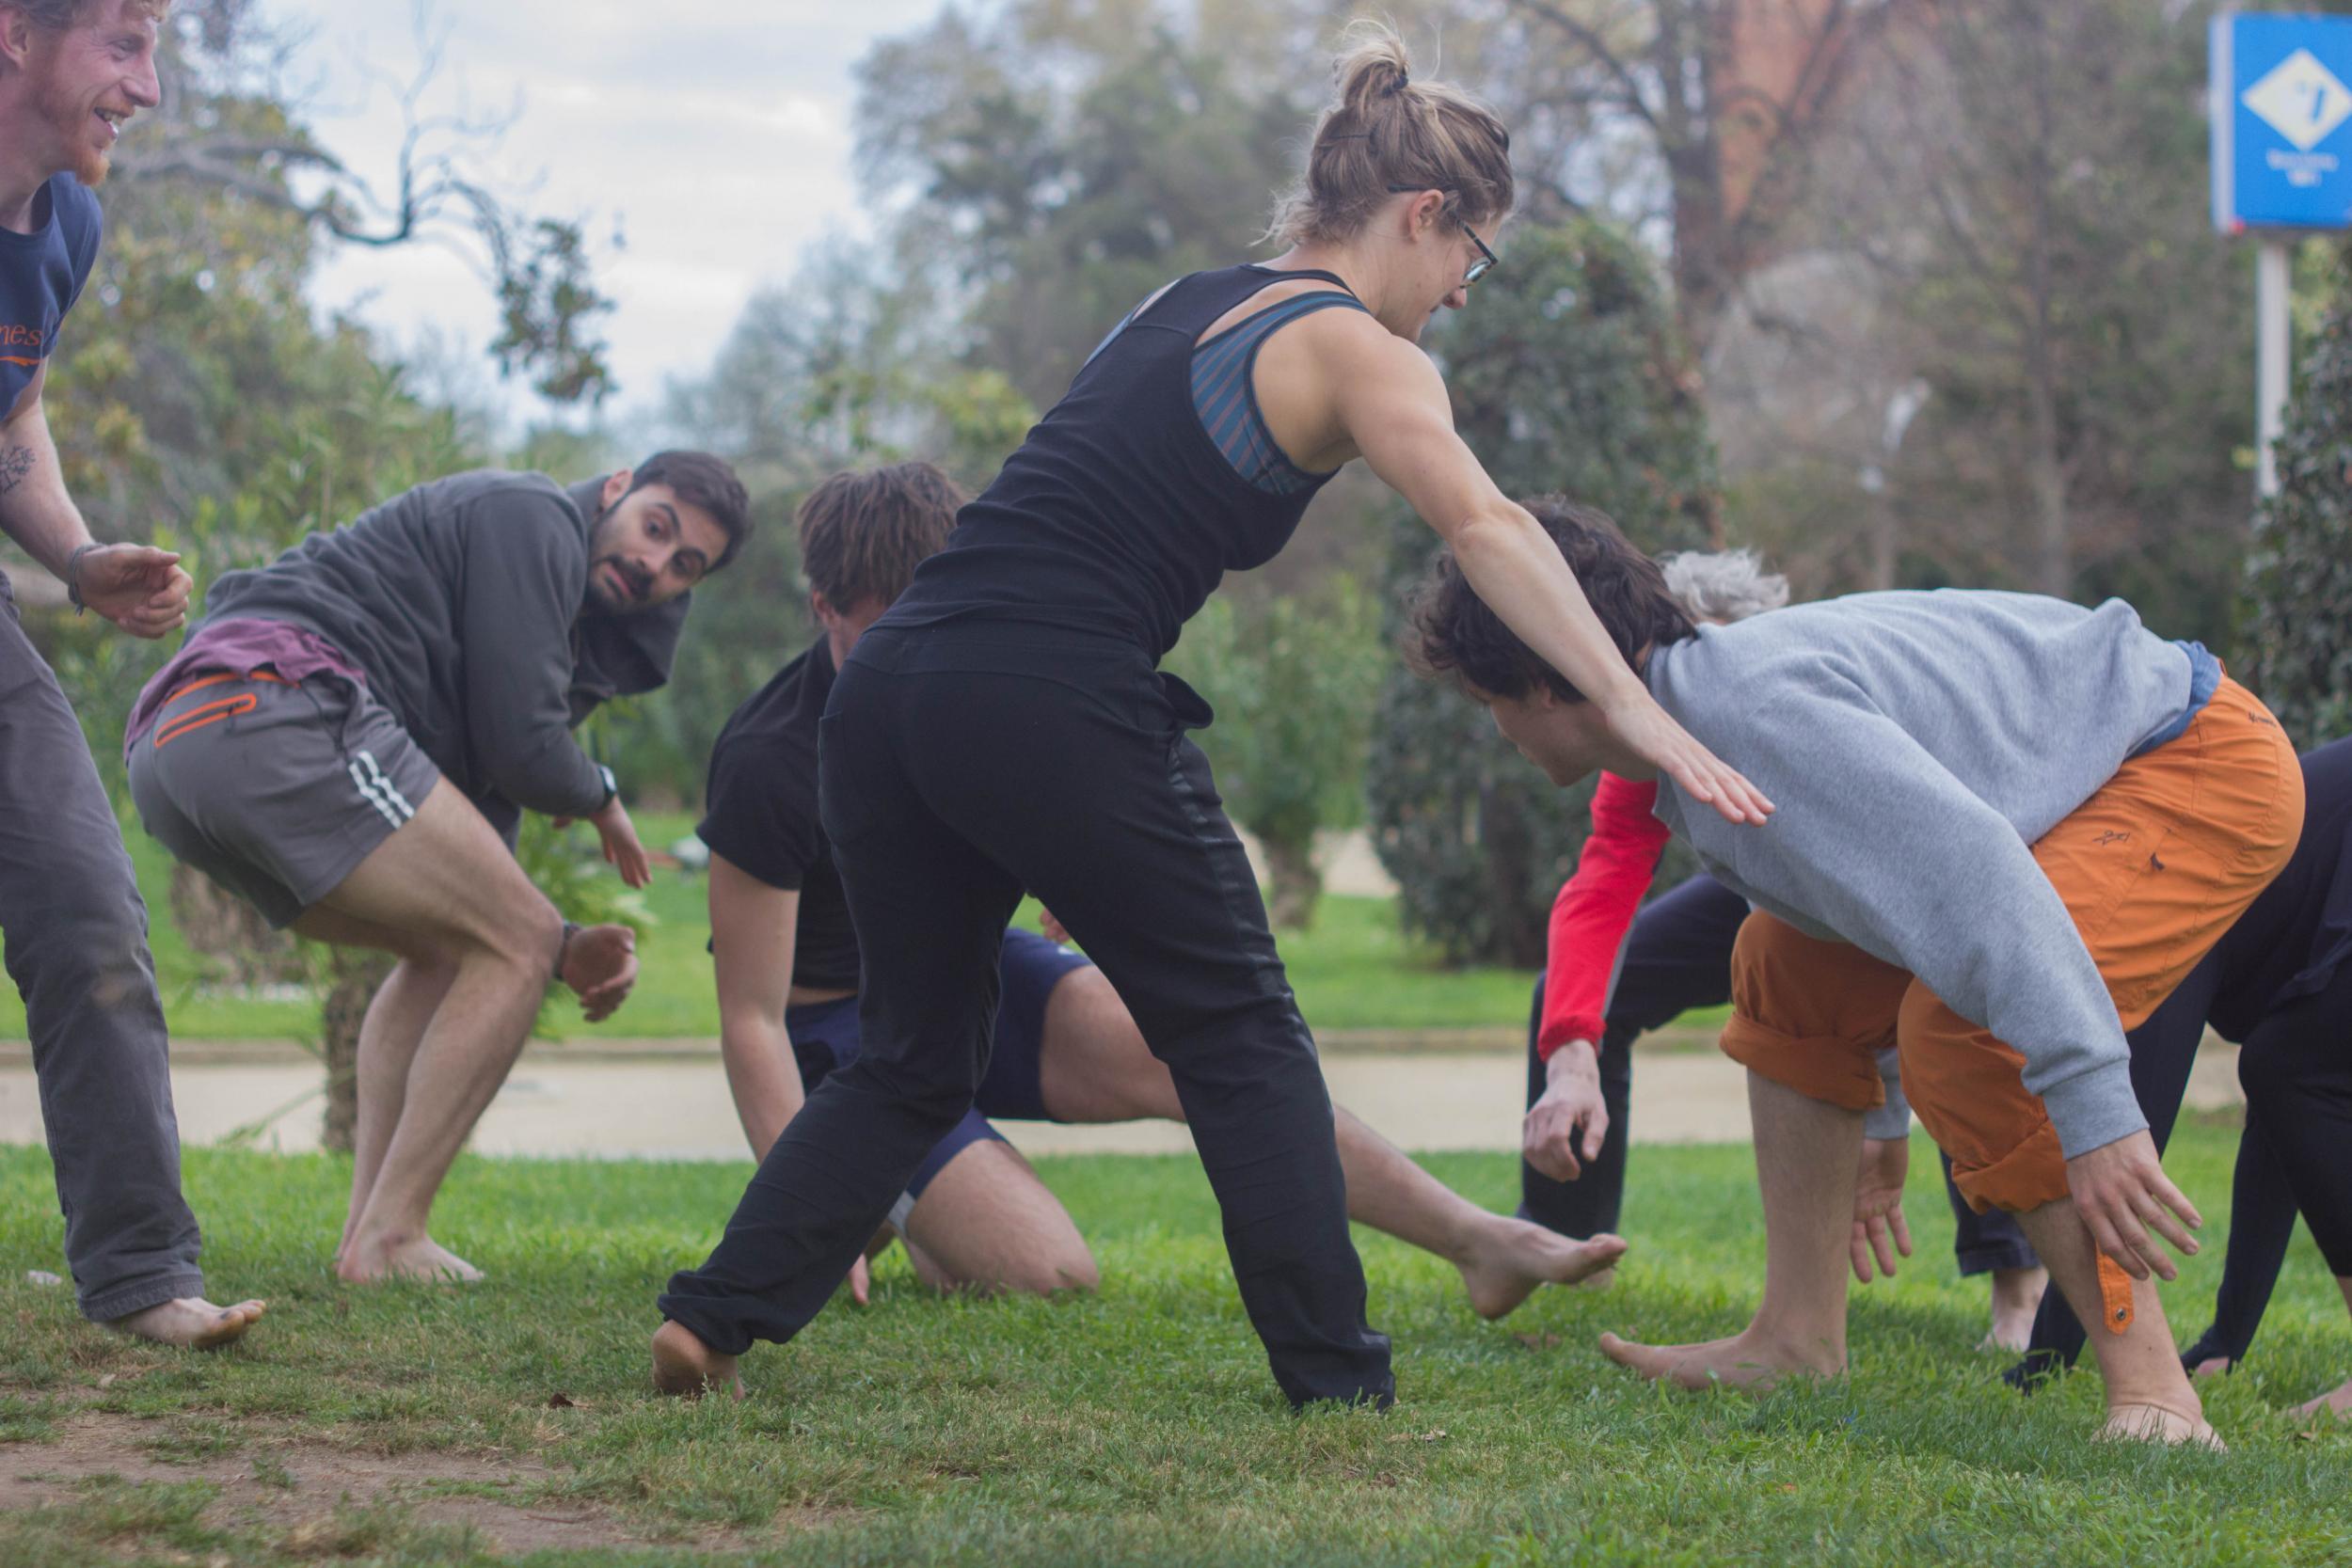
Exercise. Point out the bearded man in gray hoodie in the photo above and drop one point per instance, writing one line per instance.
(2007, 828)
(348, 740)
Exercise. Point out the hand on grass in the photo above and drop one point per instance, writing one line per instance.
(1881, 1234)
(1650, 732)
(1571, 1100)
(621, 849)
(600, 964)
(2121, 1192)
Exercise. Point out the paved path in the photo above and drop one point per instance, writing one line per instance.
(676, 1107)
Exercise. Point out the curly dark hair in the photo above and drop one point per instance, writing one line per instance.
(1452, 632)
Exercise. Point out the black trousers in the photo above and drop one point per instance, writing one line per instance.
(2295, 1067)
(1679, 957)
(958, 768)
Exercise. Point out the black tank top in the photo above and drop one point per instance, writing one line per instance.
(1120, 512)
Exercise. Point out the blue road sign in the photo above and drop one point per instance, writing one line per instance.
(2281, 88)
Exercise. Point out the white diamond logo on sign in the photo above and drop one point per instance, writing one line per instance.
(2301, 99)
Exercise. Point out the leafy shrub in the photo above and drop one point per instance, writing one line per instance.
(1293, 680)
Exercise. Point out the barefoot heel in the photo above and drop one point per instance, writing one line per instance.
(2115, 1296)
(2151, 1421)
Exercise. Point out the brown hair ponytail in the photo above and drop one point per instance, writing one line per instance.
(1385, 131)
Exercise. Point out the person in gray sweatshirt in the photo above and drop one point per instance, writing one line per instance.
(350, 736)
(2008, 827)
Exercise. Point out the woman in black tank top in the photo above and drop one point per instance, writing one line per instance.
(1003, 729)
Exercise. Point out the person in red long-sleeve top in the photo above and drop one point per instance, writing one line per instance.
(1614, 969)
(1595, 910)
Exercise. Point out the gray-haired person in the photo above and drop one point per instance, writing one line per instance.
(70, 73)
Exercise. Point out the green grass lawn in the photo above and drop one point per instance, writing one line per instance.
(1353, 971)
(1134, 1425)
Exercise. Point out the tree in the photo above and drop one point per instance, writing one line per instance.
(198, 402)
(2298, 573)
(2037, 216)
(1725, 102)
(1079, 153)
(1567, 375)
(839, 369)
(214, 133)
(1293, 680)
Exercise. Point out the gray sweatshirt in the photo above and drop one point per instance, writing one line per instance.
(1916, 745)
(465, 601)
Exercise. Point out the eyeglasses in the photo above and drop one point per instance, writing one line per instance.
(1486, 261)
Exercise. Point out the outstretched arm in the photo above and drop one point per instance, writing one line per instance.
(1393, 404)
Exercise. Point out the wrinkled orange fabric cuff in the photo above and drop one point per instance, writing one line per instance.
(1827, 1068)
(2029, 1175)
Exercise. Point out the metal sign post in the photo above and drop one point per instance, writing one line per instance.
(2279, 104)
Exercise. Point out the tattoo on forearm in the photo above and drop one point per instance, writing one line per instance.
(15, 462)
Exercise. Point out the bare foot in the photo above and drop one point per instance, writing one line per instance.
(2016, 1297)
(365, 1261)
(191, 1323)
(1747, 1360)
(2145, 1422)
(684, 1366)
(2212, 1366)
(2338, 1404)
(1512, 1256)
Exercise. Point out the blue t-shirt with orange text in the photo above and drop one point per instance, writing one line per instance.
(41, 273)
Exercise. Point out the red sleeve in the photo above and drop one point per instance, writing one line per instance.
(1596, 909)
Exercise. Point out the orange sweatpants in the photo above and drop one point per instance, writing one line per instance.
(2153, 868)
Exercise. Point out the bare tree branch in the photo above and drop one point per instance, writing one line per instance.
(1629, 86)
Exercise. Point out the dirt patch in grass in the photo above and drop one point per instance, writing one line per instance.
(280, 1482)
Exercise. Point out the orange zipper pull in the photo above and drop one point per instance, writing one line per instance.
(2115, 1296)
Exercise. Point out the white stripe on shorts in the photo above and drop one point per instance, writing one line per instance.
(383, 784)
(368, 793)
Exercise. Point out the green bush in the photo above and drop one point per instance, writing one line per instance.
(1565, 377)
(1293, 680)
(2299, 572)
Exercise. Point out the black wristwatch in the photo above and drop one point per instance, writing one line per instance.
(611, 787)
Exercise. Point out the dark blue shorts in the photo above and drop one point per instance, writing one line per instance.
(825, 1037)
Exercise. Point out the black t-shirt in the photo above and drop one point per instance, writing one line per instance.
(41, 274)
(762, 814)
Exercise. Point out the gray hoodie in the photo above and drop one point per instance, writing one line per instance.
(1916, 745)
(465, 603)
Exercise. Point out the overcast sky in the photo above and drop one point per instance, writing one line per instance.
(714, 133)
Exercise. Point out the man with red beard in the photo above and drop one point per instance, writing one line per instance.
(70, 73)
